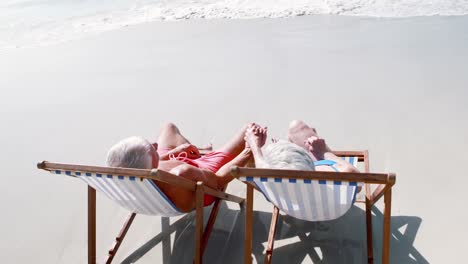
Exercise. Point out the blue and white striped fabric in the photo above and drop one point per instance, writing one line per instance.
(310, 200)
(138, 195)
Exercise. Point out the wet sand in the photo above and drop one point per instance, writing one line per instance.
(394, 86)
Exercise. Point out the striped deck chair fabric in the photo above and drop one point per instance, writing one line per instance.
(310, 200)
(138, 195)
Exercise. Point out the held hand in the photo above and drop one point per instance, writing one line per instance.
(255, 136)
(316, 145)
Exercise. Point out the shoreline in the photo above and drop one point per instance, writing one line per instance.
(30, 39)
(395, 87)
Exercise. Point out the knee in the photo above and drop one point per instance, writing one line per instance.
(298, 125)
(169, 126)
(295, 124)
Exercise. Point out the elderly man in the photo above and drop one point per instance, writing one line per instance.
(174, 153)
(305, 151)
(307, 137)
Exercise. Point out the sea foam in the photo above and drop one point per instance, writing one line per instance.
(25, 23)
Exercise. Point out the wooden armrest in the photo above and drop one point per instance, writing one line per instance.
(361, 155)
(154, 174)
(222, 195)
(379, 178)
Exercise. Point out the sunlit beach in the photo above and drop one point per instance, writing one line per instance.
(383, 81)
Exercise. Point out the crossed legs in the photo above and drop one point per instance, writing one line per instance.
(171, 137)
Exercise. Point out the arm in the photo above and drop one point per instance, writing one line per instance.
(341, 164)
(320, 151)
(258, 157)
(168, 154)
(217, 180)
(195, 174)
(255, 137)
(191, 151)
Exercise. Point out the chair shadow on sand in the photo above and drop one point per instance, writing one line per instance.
(338, 241)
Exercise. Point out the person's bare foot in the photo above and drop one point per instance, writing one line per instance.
(316, 147)
(299, 132)
(206, 147)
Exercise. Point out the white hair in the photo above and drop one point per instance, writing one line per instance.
(286, 155)
(132, 152)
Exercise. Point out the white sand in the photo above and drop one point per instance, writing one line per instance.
(394, 86)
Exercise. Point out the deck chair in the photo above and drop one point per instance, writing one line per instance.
(317, 196)
(135, 190)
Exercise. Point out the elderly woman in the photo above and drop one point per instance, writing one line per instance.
(174, 153)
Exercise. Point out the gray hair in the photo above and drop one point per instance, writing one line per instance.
(286, 155)
(132, 152)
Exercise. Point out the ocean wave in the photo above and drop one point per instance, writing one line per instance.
(40, 22)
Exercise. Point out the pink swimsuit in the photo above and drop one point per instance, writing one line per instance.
(212, 161)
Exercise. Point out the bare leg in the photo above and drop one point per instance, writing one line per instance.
(170, 137)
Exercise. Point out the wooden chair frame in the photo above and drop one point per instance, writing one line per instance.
(201, 236)
(385, 183)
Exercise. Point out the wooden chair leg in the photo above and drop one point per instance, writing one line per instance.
(370, 248)
(248, 225)
(386, 226)
(119, 238)
(91, 225)
(210, 225)
(166, 241)
(198, 222)
(271, 235)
